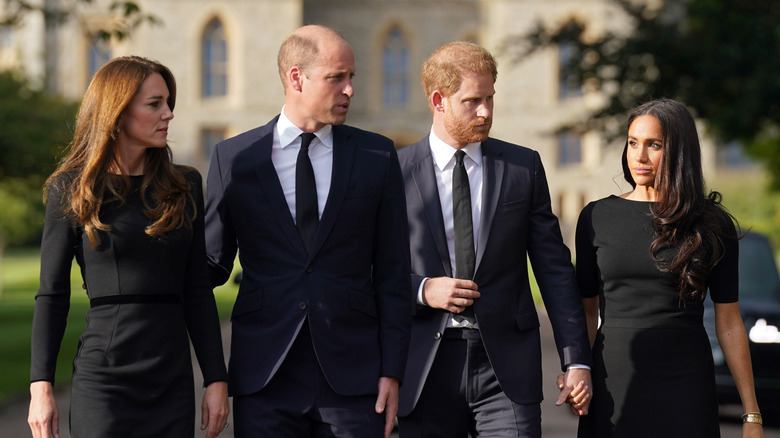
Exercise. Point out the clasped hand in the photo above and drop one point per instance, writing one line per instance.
(450, 294)
(576, 390)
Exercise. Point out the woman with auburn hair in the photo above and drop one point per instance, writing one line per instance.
(645, 262)
(134, 222)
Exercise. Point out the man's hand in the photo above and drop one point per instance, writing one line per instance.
(576, 390)
(450, 294)
(387, 402)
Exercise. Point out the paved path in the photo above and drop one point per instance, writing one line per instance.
(557, 422)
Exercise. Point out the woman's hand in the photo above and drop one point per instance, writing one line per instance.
(43, 418)
(752, 430)
(215, 409)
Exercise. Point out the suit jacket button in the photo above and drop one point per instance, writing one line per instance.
(437, 336)
(309, 269)
(302, 305)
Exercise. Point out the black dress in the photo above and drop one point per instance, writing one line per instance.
(653, 372)
(132, 375)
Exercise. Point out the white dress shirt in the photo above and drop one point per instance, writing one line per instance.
(284, 155)
(444, 163)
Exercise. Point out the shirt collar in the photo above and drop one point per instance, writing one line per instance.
(444, 154)
(287, 132)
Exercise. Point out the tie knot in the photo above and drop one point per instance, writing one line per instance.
(459, 154)
(306, 139)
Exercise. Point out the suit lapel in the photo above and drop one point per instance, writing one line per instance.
(425, 181)
(269, 181)
(343, 160)
(492, 177)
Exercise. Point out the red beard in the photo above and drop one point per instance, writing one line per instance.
(475, 131)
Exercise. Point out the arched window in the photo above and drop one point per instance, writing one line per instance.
(214, 60)
(395, 67)
(99, 55)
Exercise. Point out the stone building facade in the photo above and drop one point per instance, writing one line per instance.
(223, 54)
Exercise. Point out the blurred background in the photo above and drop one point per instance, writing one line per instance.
(569, 72)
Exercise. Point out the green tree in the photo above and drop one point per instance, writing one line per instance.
(719, 57)
(127, 14)
(34, 130)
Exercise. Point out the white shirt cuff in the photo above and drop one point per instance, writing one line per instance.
(420, 300)
(577, 365)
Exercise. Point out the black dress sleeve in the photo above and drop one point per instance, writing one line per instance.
(588, 274)
(200, 309)
(52, 302)
(724, 280)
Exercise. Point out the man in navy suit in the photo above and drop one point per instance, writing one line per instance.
(477, 208)
(316, 211)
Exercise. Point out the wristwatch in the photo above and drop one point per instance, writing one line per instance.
(752, 417)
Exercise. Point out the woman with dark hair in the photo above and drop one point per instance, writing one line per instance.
(134, 222)
(645, 262)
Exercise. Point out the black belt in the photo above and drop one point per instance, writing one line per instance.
(135, 299)
(461, 333)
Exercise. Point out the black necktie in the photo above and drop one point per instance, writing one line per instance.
(464, 228)
(306, 211)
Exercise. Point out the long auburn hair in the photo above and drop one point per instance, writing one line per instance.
(684, 218)
(92, 155)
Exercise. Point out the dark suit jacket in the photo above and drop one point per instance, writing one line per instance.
(353, 287)
(516, 222)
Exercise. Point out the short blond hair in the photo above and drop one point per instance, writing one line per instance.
(444, 69)
(301, 48)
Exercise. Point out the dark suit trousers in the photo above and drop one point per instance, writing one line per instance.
(462, 396)
(298, 402)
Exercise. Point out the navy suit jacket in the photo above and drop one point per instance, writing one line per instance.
(353, 287)
(517, 222)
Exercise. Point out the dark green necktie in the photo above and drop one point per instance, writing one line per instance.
(464, 228)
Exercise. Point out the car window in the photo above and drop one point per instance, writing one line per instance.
(757, 268)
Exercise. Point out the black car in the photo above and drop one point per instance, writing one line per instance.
(759, 304)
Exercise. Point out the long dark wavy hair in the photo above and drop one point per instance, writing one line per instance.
(684, 218)
(91, 156)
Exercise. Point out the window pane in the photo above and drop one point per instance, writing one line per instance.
(214, 60)
(733, 155)
(208, 139)
(395, 67)
(99, 55)
(6, 36)
(569, 148)
(568, 84)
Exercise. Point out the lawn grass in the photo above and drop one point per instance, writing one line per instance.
(20, 269)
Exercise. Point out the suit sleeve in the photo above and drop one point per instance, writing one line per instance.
(391, 272)
(551, 262)
(221, 245)
(200, 309)
(52, 302)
